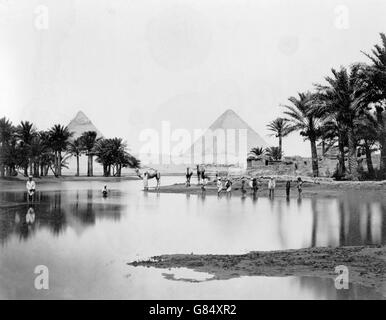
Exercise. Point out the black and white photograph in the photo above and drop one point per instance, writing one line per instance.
(192, 150)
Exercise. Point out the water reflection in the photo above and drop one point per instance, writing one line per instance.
(54, 211)
(72, 227)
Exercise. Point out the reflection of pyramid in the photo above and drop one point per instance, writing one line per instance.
(81, 124)
(227, 141)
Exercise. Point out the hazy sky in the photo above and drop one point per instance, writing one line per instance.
(130, 64)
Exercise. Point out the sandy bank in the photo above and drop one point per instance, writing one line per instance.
(367, 265)
(310, 189)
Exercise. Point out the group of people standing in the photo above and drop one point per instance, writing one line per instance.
(225, 184)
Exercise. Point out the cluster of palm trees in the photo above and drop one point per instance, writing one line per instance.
(272, 153)
(25, 150)
(347, 113)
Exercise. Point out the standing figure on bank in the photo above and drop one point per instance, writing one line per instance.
(288, 188)
(145, 182)
(204, 180)
(271, 187)
(189, 174)
(243, 191)
(198, 170)
(255, 186)
(228, 186)
(219, 186)
(300, 186)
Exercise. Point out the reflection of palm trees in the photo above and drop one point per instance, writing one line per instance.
(58, 218)
(353, 235)
(383, 228)
(342, 234)
(280, 226)
(89, 216)
(368, 224)
(314, 222)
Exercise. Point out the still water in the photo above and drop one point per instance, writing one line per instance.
(86, 240)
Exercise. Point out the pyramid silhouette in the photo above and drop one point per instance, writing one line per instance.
(231, 120)
(227, 122)
(81, 123)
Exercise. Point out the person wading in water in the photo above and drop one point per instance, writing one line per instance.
(104, 191)
(31, 188)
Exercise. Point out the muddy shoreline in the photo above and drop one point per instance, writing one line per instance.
(310, 189)
(366, 264)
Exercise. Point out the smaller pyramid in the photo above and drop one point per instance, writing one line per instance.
(81, 123)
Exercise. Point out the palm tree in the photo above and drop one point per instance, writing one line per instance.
(257, 152)
(103, 152)
(367, 134)
(274, 153)
(111, 153)
(26, 133)
(75, 149)
(344, 100)
(59, 138)
(303, 118)
(280, 128)
(373, 78)
(88, 140)
(333, 133)
(47, 157)
(6, 133)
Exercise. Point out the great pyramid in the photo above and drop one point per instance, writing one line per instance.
(240, 138)
(81, 123)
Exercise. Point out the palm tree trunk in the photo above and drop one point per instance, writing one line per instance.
(280, 145)
(382, 140)
(36, 169)
(352, 154)
(77, 165)
(342, 234)
(314, 223)
(92, 165)
(56, 162)
(59, 168)
(89, 165)
(323, 147)
(369, 161)
(342, 167)
(30, 166)
(314, 156)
